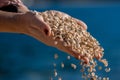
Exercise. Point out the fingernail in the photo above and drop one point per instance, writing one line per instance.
(47, 31)
(84, 25)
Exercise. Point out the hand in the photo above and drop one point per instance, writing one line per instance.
(32, 23)
(66, 15)
(60, 43)
(70, 47)
(49, 40)
(15, 3)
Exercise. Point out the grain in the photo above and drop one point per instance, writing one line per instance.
(73, 66)
(55, 73)
(99, 78)
(107, 78)
(107, 69)
(68, 57)
(81, 70)
(99, 67)
(62, 64)
(59, 78)
(55, 42)
(72, 34)
(55, 56)
(66, 30)
(104, 78)
(51, 78)
(54, 64)
(93, 74)
(104, 61)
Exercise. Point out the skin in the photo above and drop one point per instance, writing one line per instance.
(21, 7)
(21, 22)
(32, 24)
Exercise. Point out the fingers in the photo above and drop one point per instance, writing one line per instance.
(74, 54)
(78, 56)
(64, 15)
(36, 21)
(22, 9)
(81, 23)
(46, 29)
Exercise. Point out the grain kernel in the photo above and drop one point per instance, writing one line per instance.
(73, 66)
(107, 69)
(62, 65)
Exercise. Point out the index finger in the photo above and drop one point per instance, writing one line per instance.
(81, 23)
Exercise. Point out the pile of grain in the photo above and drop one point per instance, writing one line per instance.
(73, 35)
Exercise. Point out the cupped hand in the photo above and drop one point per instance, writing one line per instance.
(60, 45)
(35, 26)
(32, 23)
(35, 31)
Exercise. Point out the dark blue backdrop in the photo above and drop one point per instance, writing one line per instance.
(24, 58)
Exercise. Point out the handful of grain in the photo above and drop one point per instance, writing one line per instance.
(71, 34)
(68, 31)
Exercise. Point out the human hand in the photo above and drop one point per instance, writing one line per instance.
(31, 23)
(51, 42)
(35, 25)
(57, 42)
(13, 6)
(69, 35)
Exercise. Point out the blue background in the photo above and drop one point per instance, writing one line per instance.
(24, 58)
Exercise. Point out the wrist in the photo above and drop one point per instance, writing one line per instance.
(8, 22)
(19, 23)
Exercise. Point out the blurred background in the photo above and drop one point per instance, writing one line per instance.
(24, 58)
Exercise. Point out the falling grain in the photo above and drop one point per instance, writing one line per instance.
(62, 65)
(55, 56)
(73, 66)
(66, 30)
